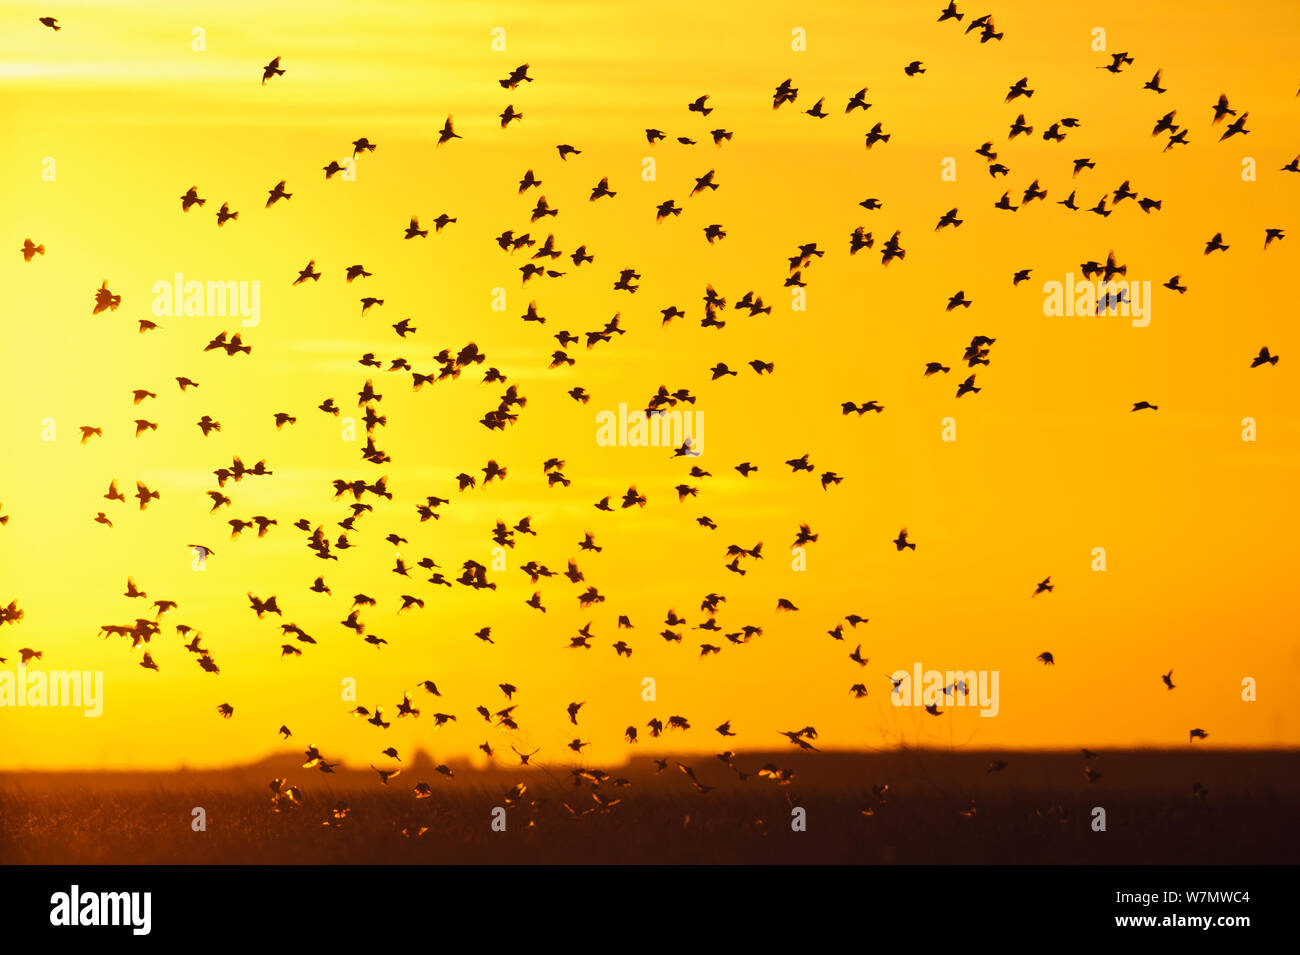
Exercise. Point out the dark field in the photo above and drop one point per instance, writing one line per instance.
(1037, 810)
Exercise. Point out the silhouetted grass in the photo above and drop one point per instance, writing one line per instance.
(663, 819)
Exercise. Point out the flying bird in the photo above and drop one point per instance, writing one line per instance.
(271, 69)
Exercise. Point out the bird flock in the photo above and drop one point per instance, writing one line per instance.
(364, 501)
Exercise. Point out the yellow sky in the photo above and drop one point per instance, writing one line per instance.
(1048, 463)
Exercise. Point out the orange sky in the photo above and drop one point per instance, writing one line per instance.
(1048, 463)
